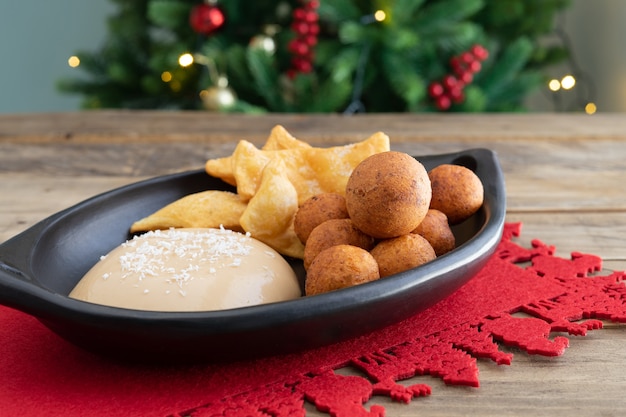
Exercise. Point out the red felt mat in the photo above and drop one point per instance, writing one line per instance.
(42, 375)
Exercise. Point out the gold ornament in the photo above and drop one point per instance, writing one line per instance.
(263, 42)
(218, 97)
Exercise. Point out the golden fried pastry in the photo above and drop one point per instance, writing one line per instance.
(388, 194)
(269, 214)
(402, 253)
(456, 191)
(221, 168)
(206, 209)
(334, 232)
(316, 210)
(339, 267)
(278, 139)
(436, 230)
(311, 170)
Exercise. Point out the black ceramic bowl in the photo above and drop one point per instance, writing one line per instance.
(39, 267)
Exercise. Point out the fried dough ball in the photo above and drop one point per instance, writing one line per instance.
(338, 267)
(316, 210)
(436, 230)
(402, 253)
(334, 232)
(456, 191)
(388, 194)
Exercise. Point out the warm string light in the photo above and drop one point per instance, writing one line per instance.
(185, 60)
(590, 108)
(377, 16)
(577, 83)
(380, 15)
(554, 85)
(568, 82)
(73, 61)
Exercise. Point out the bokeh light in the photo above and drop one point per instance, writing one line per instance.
(73, 61)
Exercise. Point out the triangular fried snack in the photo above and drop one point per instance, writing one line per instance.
(270, 213)
(211, 209)
(311, 170)
(279, 138)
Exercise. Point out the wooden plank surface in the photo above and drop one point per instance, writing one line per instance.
(565, 178)
(145, 126)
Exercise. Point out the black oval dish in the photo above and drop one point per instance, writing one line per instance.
(39, 267)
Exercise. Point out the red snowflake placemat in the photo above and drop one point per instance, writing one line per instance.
(41, 375)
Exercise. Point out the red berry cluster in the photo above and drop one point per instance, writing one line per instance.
(450, 89)
(306, 28)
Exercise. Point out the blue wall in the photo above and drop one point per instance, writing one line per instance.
(36, 39)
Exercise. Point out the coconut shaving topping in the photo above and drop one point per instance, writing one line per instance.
(145, 257)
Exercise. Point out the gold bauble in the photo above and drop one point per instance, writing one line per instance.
(218, 97)
(263, 42)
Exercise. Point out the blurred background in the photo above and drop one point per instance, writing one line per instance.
(38, 38)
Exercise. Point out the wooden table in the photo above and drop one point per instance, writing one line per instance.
(565, 176)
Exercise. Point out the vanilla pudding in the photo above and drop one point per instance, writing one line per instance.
(189, 270)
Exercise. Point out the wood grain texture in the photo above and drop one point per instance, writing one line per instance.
(146, 126)
(565, 178)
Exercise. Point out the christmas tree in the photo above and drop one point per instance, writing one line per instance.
(321, 55)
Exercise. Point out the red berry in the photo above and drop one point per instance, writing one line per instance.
(435, 89)
(456, 65)
(311, 17)
(313, 4)
(299, 14)
(301, 28)
(443, 102)
(298, 47)
(310, 40)
(474, 67)
(467, 57)
(301, 65)
(314, 29)
(480, 52)
(457, 95)
(449, 81)
(466, 77)
(303, 49)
